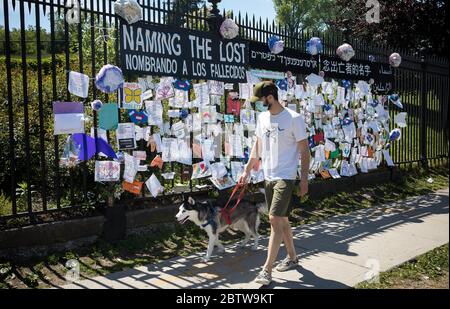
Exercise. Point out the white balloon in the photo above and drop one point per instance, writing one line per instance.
(395, 60)
(345, 52)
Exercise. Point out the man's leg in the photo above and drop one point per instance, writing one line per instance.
(276, 237)
(288, 239)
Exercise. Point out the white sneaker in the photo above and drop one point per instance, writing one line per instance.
(287, 264)
(264, 278)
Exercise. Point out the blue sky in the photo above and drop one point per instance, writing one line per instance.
(260, 8)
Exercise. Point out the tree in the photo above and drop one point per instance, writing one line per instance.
(409, 24)
(179, 9)
(305, 14)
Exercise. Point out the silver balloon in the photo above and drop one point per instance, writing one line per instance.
(129, 10)
(345, 52)
(395, 60)
(229, 30)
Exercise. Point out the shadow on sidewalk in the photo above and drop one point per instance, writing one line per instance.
(238, 267)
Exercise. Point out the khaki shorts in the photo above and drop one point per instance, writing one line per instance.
(279, 197)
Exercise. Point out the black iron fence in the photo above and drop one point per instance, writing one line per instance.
(34, 66)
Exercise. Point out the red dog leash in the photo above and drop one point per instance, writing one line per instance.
(226, 214)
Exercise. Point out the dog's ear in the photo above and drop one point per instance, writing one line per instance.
(191, 201)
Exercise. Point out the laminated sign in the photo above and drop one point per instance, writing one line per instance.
(69, 117)
(165, 51)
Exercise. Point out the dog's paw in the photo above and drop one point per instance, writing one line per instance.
(206, 259)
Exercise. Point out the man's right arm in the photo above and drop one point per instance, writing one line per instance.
(254, 158)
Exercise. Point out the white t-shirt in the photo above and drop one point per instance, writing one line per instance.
(279, 151)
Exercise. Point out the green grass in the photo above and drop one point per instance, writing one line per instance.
(103, 258)
(430, 268)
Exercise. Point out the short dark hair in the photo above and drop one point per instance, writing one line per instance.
(270, 89)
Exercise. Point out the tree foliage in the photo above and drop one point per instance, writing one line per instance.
(305, 14)
(409, 24)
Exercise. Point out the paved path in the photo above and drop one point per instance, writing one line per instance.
(336, 253)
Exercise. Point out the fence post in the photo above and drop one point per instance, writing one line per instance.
(114, 228)
(423, 110)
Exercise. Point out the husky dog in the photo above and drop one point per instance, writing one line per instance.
(207, 215)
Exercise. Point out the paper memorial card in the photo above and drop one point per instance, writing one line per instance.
(164, 90)
(292, 107)
(184, 152)
(245, 91)
(299, 92)
(166, 148)
(248, 117)
(372, 164)
(134, 187)
(334, 173)
(141, 133)
(154, 186)
(229, 118)
(69, 118)
(364, 165)
(319, 100)
(337, 164)
(108, 116)
(130, 168)
(319, 154)
(202, 94)
(78, 84)
(181, 99)
(132, 96)
(157, 141)
(216, 88)
(126, 136)
(140, 156)
(329, 145)
(352, 169)
(155, 112)
(157, 162)
(107, 171)
(228, 86)
(200, 170)
(218, 170)
(168, 176)
(314, 80)
(223, 183)
(237, 169)
(173, 113)
(400, 120)
(363, 151)
(345, 172)
(328, 131)
(197, 150)
(146, 82)
(237, 147)
(208, 150)
(179, 129)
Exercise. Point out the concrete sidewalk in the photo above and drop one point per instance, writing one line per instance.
(336, 253)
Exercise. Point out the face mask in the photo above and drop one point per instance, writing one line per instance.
(267, 104)
(260, 107)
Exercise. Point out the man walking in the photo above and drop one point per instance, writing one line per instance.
(281, 140)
